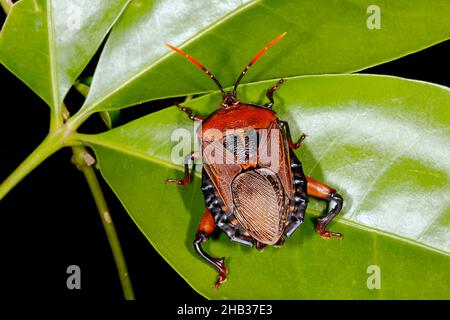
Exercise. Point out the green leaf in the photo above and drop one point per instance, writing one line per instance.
(110, 118)
(323, 37)
(48, 43)
(382, 142)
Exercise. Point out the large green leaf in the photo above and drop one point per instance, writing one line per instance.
(48, 43)
(383, 142)
(323, 37)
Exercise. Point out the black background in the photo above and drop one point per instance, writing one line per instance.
(49, 221)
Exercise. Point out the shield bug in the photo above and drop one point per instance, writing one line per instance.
(256, 200)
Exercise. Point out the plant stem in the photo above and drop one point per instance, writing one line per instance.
(6, 5)
(79, 159)
(50, 145)
(83, 161)
(77, 119)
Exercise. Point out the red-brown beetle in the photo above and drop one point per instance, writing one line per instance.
(250, 199)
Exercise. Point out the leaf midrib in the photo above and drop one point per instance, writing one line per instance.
(54, 77)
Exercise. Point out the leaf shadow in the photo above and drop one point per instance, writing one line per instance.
(192, 199)
(304, 153)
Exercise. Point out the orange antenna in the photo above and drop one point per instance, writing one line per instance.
(198, 64)
(255, 59)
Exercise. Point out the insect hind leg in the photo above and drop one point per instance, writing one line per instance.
(335, 203)
(205, 229)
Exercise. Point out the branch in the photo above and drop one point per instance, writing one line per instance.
(83, 160)
(50, 145)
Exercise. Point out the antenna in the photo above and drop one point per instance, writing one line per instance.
(255, 59)
(198, 64)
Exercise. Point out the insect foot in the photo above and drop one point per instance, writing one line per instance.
(325, 234)
(178, 182)
(223, 272)
(298, 144)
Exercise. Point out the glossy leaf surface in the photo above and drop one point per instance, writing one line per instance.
(48, 43)
(323, 37)
(382, 142)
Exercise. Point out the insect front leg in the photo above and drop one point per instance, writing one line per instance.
(205, 229)
(335, 202)
(270, 93)
(187, 175)
(190, 113)
(285, 126)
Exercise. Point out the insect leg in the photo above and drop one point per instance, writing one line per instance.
(190, 113)
(260, 246)
(270, 93)
(279, 243)
(205, 229)
(284, 125)
(187, 175)
(335, 201)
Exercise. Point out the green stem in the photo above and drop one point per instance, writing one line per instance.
(50, 145)
(56, 119)
(77, 119)
(83, 161)
(79, 159)
(6, 5)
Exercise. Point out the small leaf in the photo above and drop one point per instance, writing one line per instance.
(382, 142)
(323, 37)
(48, 43)
(110, 118)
